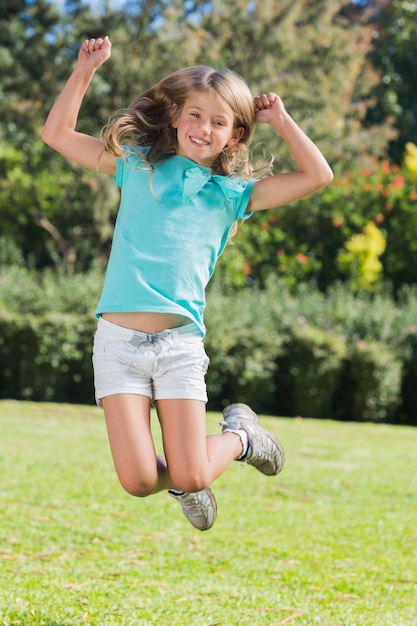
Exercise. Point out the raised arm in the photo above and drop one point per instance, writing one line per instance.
(313, 170)
(59, 130)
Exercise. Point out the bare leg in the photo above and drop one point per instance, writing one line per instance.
(141, 472)
(194, 460)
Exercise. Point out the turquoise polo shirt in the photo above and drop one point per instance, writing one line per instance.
(172, 226)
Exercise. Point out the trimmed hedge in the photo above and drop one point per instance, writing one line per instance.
(311, 369)
(46, 358)
(302, 371)
(407, 412)
(370, 388)
(336, 356)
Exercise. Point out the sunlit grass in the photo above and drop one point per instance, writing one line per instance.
(332, 541)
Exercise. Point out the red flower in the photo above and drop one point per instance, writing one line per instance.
(246, 268)
(385, 167)
(398, 182)
(302, 258)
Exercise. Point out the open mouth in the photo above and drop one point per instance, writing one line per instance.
(198, 142)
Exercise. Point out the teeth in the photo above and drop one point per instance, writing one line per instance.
(200, 141)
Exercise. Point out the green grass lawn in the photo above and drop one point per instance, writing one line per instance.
(331, 541)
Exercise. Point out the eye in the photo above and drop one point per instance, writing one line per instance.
(197, 115)
(219, 123)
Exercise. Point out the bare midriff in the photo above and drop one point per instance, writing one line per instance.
(147, 322)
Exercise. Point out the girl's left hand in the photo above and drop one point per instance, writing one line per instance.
(268, 106)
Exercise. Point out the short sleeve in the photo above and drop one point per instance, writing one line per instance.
(118, 177)
(132, 158)
(238, 191)
(242, 213)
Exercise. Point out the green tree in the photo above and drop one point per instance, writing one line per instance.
(313, 54)
(394, 56)
(48, 208)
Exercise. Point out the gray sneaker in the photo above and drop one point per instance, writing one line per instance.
(265, 451)
(199, 508)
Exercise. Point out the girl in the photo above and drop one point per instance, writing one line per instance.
(179, 154)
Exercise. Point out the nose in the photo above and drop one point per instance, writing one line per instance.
(205, 126)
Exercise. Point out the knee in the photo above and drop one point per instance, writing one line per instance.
(191, 482)
(139, 487)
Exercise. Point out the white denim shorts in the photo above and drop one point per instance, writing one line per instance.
(166, 365)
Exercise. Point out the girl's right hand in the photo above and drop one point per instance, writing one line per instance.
(95, 52)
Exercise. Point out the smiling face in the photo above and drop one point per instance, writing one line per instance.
(204, 127)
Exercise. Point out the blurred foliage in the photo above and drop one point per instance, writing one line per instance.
(360, 260)
(281, 310)
(46, 357)
(287, 352)
(410, 158)
(26, 291)
(315, 55)
(303, 242)
(394, 56)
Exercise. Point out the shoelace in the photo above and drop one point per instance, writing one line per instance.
(194, 506)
